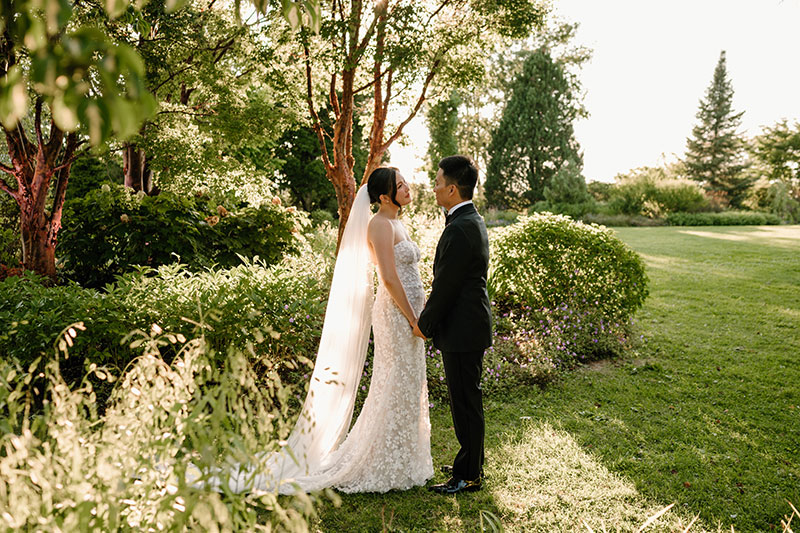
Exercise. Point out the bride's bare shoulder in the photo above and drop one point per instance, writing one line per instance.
(380, 228)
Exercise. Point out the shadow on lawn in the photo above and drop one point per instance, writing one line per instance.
(417, 509)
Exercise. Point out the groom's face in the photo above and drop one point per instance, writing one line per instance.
(445, 194)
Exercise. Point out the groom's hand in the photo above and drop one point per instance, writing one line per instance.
(418, 332)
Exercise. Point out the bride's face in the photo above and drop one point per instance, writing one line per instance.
(403, 196)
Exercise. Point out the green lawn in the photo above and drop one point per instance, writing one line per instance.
(705, 415)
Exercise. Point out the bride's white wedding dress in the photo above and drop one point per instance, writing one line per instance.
(388, 447)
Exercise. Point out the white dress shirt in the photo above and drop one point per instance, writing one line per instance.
(453, 209)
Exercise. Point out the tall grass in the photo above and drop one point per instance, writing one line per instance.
(68, 469)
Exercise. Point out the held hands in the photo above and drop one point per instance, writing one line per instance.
(416, 331)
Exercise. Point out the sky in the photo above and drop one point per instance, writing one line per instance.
(653, 62)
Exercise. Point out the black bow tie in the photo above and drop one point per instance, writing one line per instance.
(447, 219)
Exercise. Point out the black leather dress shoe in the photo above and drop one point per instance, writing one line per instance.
(454, 486)
(448, 469)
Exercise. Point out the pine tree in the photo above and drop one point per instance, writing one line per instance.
(535, 136)
(715, 152)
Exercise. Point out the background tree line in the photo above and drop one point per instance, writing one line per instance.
(519, 126)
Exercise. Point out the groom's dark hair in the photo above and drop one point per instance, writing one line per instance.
(459, 170)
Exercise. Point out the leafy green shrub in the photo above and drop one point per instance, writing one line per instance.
(679, 195)
(37, 314)
(320, 216)
(500, 217)
(10, 242)
(89, 172)
(566, 194)
(725, 218)
(238, 304)
(568, 186)
(135, 467)
(599, 190)
(654, 192)
(546, 261)
(575, 211)
(621, 220)
(111, 229)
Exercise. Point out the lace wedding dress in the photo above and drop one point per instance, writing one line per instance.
(388, 447)
(389, 444)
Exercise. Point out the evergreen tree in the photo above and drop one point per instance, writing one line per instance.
(568, 186)
(442, 118)
(715, 152)
(535, 136)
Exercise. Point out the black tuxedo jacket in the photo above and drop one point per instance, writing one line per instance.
(457, 314)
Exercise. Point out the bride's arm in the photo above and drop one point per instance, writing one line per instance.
(381, 238)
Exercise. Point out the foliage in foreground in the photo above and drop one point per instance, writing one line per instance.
(547, 261)
(136, 466)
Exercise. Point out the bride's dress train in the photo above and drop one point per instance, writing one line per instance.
(388, 447)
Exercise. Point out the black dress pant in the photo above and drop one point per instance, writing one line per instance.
(463, 373)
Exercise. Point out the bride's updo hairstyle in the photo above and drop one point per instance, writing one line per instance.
(383, 180)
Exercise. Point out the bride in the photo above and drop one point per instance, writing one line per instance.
(388, 447)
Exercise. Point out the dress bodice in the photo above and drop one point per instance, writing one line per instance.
(406, 259)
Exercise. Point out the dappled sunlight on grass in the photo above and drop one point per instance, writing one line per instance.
(715, 235)
(790, 313)
(542, 480)
(779, 236)
(663, 261)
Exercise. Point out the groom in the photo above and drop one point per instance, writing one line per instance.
(458, 317)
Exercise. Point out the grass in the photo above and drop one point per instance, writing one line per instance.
(704, 415)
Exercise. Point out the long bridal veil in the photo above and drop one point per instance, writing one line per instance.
(328, 407)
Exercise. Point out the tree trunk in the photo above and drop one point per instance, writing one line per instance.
(345, 186)
(38, 245)
(138, 175)
(41, 172)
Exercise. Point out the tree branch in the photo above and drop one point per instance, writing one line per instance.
(334, 99)
(388, 93)
(187, 113)
(171, 77)
(441, 6)
(5, 187)
(315, 117)
(381, 10)
(370, 84)
(63, 176)
(418, 105)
